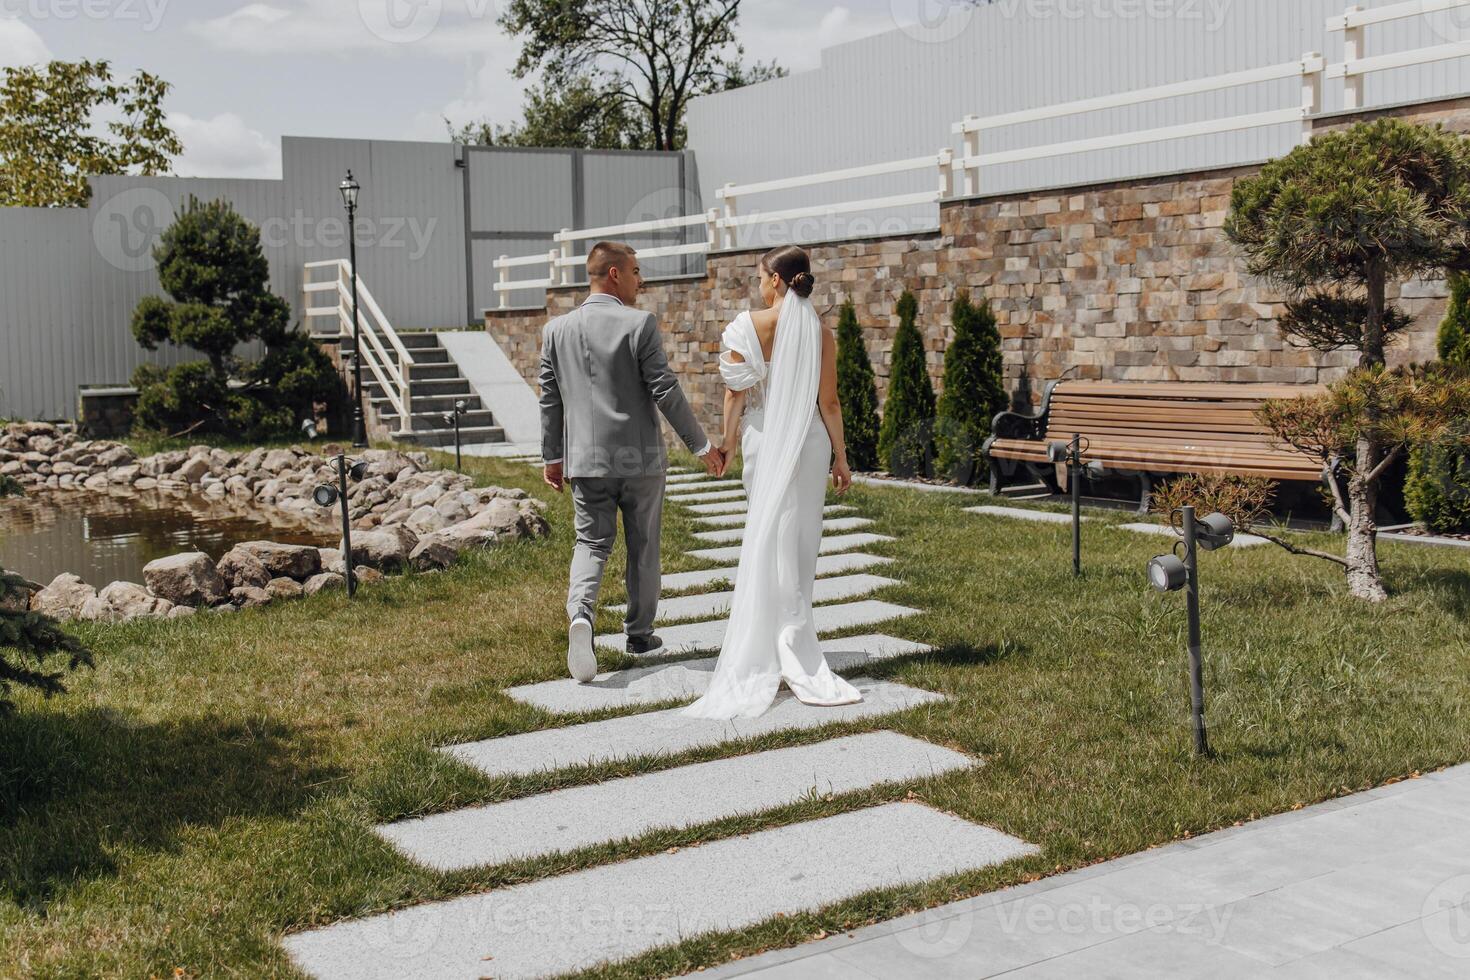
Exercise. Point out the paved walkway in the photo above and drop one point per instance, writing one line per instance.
(1372, 885)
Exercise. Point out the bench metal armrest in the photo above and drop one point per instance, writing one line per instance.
(1019, 425)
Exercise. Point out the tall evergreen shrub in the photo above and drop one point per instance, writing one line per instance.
(906, 439)
(973, 389)
(858, 389)
(1437, 491)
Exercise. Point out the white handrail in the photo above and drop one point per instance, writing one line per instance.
(1356, 64)
(828, 176)
(394, 373)
(656, 224)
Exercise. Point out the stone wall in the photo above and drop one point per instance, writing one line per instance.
(1125, 281)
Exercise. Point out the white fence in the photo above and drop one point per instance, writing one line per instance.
(723, 224)
(394, 372)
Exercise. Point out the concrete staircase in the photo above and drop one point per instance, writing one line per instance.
(437, 385)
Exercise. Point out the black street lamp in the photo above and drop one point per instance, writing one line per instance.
(325, 495)
(1171, 573)
(349, 188)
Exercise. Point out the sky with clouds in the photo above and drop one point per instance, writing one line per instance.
(247, 73)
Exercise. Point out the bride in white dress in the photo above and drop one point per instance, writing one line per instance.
(780, 367)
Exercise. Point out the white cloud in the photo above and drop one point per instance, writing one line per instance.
(765, 31)
(20, 44)
(490, 92)
(224, 146)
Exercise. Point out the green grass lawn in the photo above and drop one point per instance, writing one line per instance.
(211, 785)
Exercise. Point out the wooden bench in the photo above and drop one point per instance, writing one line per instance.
(1149, 430)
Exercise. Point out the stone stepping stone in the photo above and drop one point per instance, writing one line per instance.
(575, 921)
(686, 477)
(682, 492)
(709, 636)
(720, 507)
(738, 533)
(737, 519)
(842, 542)
(706, 496)
(852, 561)
(1241, 540)
(669, 732)
(688, 679)
(718, 603)
(1022, 514)
(623, 809)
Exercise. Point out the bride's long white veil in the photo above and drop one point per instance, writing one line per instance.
(749, 673)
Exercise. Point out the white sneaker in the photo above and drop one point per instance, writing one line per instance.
(581, 661)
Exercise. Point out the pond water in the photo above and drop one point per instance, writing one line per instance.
(108, 537)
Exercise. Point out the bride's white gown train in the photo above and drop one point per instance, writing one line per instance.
(788, 454)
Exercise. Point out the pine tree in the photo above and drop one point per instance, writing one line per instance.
(857, 387)
(906, 440)
(28, 639)
(1454, 331)
(973, 389)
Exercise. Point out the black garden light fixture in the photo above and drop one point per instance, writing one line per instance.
(325, 495)
(1174, 572)
(350, 188)
(453, 417)
(1071, 453)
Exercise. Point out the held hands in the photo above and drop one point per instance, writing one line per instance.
(715, 461)
(841, 475)
(554, 476)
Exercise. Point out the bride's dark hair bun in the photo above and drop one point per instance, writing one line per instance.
(794, 266)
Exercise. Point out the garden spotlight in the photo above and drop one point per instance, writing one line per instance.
(308, 428)
(325, 495)
(1070, 453)
(453, 417)
(1171, 573)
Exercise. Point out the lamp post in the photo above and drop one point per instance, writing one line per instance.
(1171, 573)
(325, 495)
(349, 188)
(454, 416)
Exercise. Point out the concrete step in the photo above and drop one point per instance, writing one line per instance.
(735, 534)
(573, 922)
(417, 340)
(730, 554)
(425, 387)
(852, 561)
(623, 809)
(686, 680)
(718, 603)
(468, 437)
(706, 496)
(708, 637)
(430, 421)
(680, 491)
(670, 732)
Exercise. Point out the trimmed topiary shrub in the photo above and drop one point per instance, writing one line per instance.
(211, 263)
(906, 439)
(1437, 490)
(857, 387)
(973, 390)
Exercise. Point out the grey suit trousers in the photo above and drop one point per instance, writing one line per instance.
(598, 501)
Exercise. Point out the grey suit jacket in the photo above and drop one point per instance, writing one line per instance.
(604, 379)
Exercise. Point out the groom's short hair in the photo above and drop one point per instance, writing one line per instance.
(606, 255)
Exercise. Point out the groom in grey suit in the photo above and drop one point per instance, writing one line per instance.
(604, 379)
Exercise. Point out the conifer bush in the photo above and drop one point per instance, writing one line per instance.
(1437, 491)
(857, 387)
(973, 389)
(906, 439)
(211, 264)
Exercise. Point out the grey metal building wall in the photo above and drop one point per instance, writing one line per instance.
(71, 277)
(895, 95)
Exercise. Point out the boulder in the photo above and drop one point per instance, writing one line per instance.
(452, 509)
(125, 474)
(277, 460)
(426, 520)
(179, 612)
(367, 576)
(332, 560)
(298, 561)
(189, 579)
(433, 553)
(63, 598)
(501, 518)
(387, 463)
(131, 601)
(249, 597)
(194, 470)
(386, 548)
(145, 483)
(97, 481)
(117, 456)
(97, 610)
(324, 581)
(284, 588)
(241, 568)
(20, 600)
